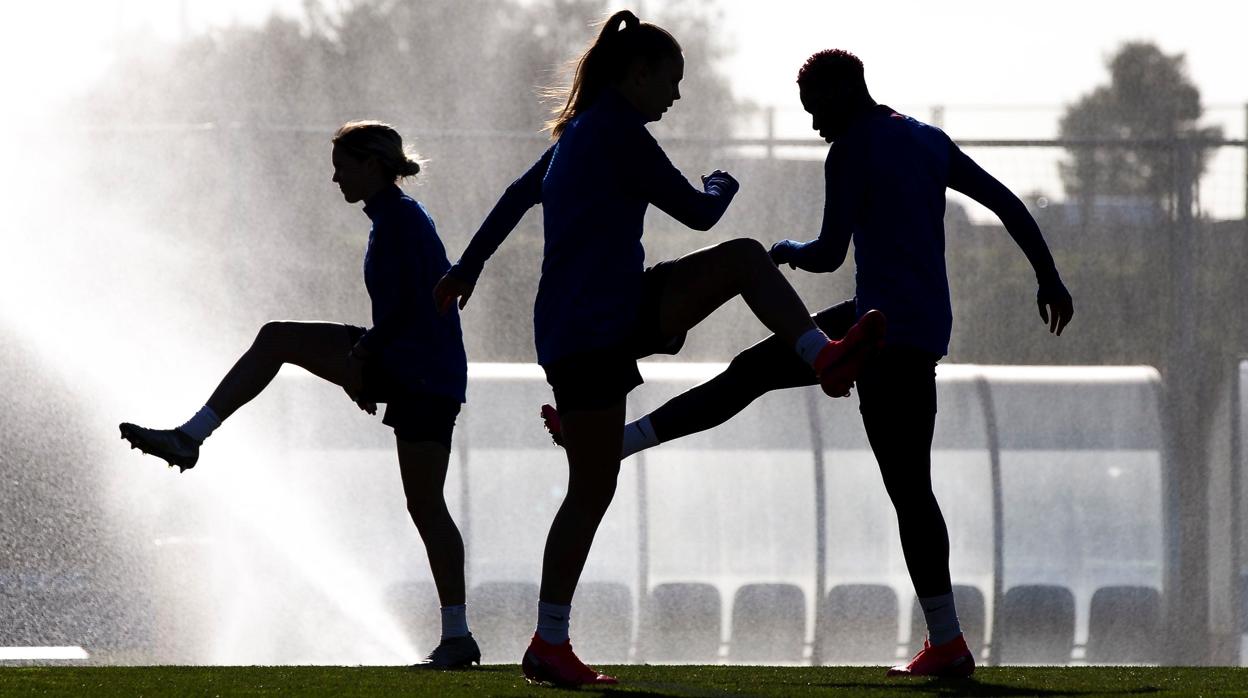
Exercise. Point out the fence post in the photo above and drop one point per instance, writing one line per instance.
(1238, 588)
(1188, 382)
(989, 408)
(643, 559)
(821, 523)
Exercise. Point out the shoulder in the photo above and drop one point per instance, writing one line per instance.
(890, 119)
(412, 213)
(405, 218)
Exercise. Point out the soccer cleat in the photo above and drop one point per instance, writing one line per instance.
(952, 659)
(170, 444)
(550, 417)
(840, 362)
(453, 653)
(556, 664)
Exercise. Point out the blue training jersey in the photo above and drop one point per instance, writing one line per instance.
(902, 168)
(404, 260)
(594, 185)
(885, 181)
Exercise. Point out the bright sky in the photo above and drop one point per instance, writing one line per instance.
(999, 53)
(918, 53)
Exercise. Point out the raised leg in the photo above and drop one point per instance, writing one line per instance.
(319, 347)
(766, 366)
(704, 280)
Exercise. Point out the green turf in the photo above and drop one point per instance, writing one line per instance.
(634, 680)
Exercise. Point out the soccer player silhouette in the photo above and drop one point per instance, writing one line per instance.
(412, 359)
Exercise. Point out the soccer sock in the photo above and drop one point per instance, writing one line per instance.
(454, 621)
(810, 344)
(942, 618)
(201, 425)
(638, 436)
(552, 622)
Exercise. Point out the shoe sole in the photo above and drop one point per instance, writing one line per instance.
(129, 434)
(962, 670)
(532, 670)
(430, 666)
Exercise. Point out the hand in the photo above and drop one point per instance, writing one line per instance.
(784, 252)
(448, 290)
(1056, 305)
(722, 182)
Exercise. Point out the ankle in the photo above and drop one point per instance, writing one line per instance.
(811, 345)
(553, 621)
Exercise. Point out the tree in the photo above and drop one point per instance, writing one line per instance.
(1152, 106)
(234, 125)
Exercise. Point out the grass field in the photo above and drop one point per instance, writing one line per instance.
(636, 680)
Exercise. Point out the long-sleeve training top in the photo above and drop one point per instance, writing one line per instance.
(594, 185)
(885, 181)
(413, 342)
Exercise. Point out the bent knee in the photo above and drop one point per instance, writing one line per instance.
(746, 256)
(593, 493)
(745, 250)
(912, 497)
(272, 333)
(427, 511)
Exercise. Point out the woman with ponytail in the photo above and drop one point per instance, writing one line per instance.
(412, 359)
(599, 309)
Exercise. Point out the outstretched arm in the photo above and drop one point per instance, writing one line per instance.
(520, 196)
(843, 194)
(1054, 301)
(654, 178)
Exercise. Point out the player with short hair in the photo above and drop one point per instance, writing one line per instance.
(885, 181)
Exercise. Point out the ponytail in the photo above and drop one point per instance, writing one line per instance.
(622, 40)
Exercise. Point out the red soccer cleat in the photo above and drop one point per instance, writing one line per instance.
(951, 660)
(550, 417)
(839, 363)
(557, 665)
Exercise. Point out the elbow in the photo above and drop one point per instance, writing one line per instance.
(703, 224)
(706, 219)
(1014, 214)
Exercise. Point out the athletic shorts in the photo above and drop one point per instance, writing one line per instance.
(599, 378)
(415, 416)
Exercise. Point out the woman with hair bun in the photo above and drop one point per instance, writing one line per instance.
(412, 359)
(598, 308)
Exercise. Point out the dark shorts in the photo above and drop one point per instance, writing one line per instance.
(415, 416)
(597, 379)
(899, 379)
